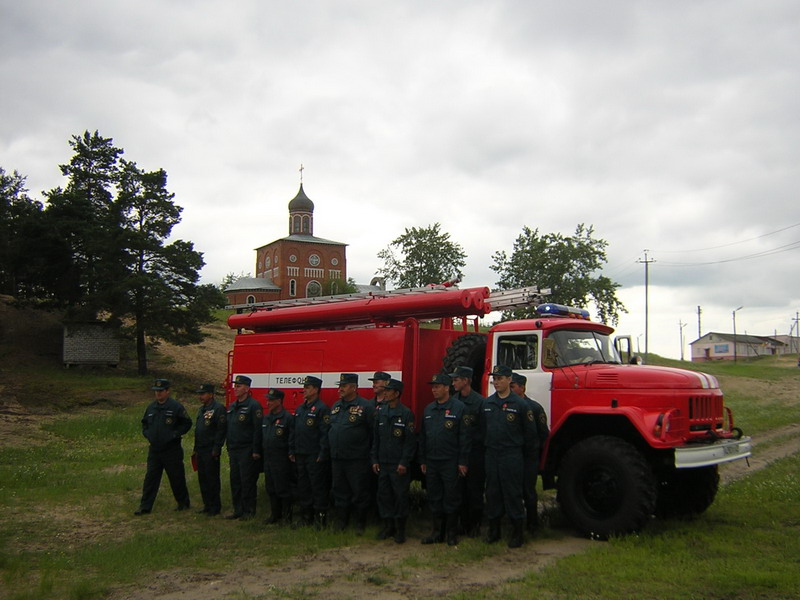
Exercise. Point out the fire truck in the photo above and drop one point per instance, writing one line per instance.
(628, 441)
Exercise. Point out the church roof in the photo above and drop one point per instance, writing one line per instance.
(305, 238)
(301, 202)
(252, 284)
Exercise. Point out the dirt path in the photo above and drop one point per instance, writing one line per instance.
(364, 572)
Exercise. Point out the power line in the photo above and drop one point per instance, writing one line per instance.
(770, 252)
(758, 237)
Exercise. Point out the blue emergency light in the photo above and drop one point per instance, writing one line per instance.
(559, 310)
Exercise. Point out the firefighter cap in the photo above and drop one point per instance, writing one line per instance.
(441, 378)
(161, 384)
(394, 384)
(347, 378)
(274, 394)
(311, 380)
(501, 371)
(205, 388)
(465, 372)
(243, 380)
(380, 376)
(518, 379)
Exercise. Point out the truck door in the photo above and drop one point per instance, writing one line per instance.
(624, 346)
(520, 351)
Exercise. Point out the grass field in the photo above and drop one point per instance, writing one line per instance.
(70, 480)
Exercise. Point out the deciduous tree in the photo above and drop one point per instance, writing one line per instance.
(422, 256)
(571, 266)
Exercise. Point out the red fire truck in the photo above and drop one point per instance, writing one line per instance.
(627, 441)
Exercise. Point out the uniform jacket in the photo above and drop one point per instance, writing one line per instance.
(277, 433)
(473, 413)
(311, 425)
(394, 440)
(508, 423)
(211, 427)
(350, 434)
(244, 425)
(540, 418)
(163, 424)
(444, 434)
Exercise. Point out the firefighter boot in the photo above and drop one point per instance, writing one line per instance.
(342, 517)
(361, 520)
(400, 531)
(286, 512)
(275, 507)
(494, 533)
(475, 524)
(437, 533)
(452, 530)
(387, 530)
(517, 525)
(533, 520)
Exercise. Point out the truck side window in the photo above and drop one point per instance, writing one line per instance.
(518, 351)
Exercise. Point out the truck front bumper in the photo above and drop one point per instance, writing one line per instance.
(704, 455)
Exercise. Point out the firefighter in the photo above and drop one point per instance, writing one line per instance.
(311, 455)
(509, 434)
(379, 381)
(164, 422)
(444, 447)
(209, 436)
(350, 440)
(475, 480)
(531, 472)
(244, 449)
(277, 435)
(393, 445)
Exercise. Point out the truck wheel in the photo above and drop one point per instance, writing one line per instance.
(606, 487)
(467, 351)
(687, 492)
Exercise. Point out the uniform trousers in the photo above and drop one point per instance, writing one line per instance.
(530, 474)
(244, 480)
(208, 477)
(444, 489)
(278, 476)
(313, 482)
(351, 482)
(392, 496)
(169, 459)
(475, 481)
(504, 473)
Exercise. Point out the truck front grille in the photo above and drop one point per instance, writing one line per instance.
(705, 413)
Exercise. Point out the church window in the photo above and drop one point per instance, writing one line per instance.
(251, 299)
(292, 287)
(313, 289)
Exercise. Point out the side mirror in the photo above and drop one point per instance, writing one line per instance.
(636, 360)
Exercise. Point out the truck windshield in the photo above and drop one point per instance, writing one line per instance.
(583, 348)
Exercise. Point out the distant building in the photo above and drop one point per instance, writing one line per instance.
(297, 266)
(720, 346)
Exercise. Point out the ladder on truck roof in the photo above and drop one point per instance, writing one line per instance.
(499, 300)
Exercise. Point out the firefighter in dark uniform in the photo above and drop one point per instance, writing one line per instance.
(531, 474)
(393, 446)
(475, 480)
(444, 446)
(209, 436)
(379, 380)
(164, 422)
(509, 434)
(350, 440)
(244, 449)
(311, 454)
(277, 435)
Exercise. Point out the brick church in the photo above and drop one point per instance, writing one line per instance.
(300, 265)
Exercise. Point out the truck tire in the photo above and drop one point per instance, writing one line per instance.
(467, 351)
(687, 492)
(606, 487)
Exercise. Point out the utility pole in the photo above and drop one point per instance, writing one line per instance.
(734, 332)
(793, 340)
(699, 328)
(681, 325)
(646, 262)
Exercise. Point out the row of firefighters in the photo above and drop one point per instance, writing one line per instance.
(479, 456)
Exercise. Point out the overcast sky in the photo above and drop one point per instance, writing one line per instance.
(668, 126)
